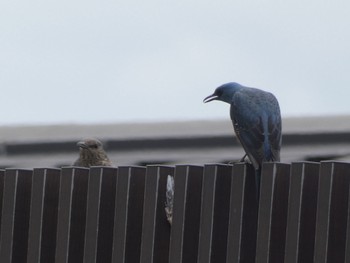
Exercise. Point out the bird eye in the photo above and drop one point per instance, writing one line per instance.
(219, 92)
(93, 146)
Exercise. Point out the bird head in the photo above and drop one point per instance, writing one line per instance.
(90, 145)
(224, 92)
(92, 154)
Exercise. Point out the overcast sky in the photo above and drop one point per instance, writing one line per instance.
(74, 61)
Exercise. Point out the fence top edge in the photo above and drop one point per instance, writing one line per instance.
(189, 165)
(98, 167)
(280, 164)
(219, 164)
(46, 169)
(159, 165)
(71, 167)
(304, 162)
(334, 162)
(18, 169)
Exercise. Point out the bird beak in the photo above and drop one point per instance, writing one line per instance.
(82, 145)
(210, 98)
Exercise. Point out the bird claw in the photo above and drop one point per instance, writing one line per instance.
(242, 160)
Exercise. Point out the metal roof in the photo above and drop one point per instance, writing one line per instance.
(196, 142)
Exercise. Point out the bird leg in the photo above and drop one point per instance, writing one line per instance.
(242, 160)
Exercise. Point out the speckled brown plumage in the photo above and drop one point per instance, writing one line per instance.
(92, 154)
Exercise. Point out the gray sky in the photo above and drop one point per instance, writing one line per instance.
(74, 61)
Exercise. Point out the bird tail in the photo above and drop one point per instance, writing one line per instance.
(257, 183)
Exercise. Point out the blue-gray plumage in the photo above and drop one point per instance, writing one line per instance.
(256, 119)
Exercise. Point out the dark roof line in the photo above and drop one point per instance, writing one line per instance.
(172, 142)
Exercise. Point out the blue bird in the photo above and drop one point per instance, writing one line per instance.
(256, 120)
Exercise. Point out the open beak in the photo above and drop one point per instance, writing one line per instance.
(210, 98)
(82, 145)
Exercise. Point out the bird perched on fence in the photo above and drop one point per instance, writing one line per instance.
(92, 154)
(256, 120)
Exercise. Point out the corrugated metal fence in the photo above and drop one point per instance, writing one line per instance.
(117, 214)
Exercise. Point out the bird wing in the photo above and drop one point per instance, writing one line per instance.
(257, 123)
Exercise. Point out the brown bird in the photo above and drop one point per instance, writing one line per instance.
(92, 154)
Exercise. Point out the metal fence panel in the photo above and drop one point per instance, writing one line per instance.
(2, 178)
(43, 215)
(332, 212)
(339, 213)
(241, 246)
(272, 215)
(155, 227)
(100, 214)
(15, 215)
(300, 237)
(214, 213)
(107, 214)
(71, 215)
(128, 214)
(347, 247)
(186, 214)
